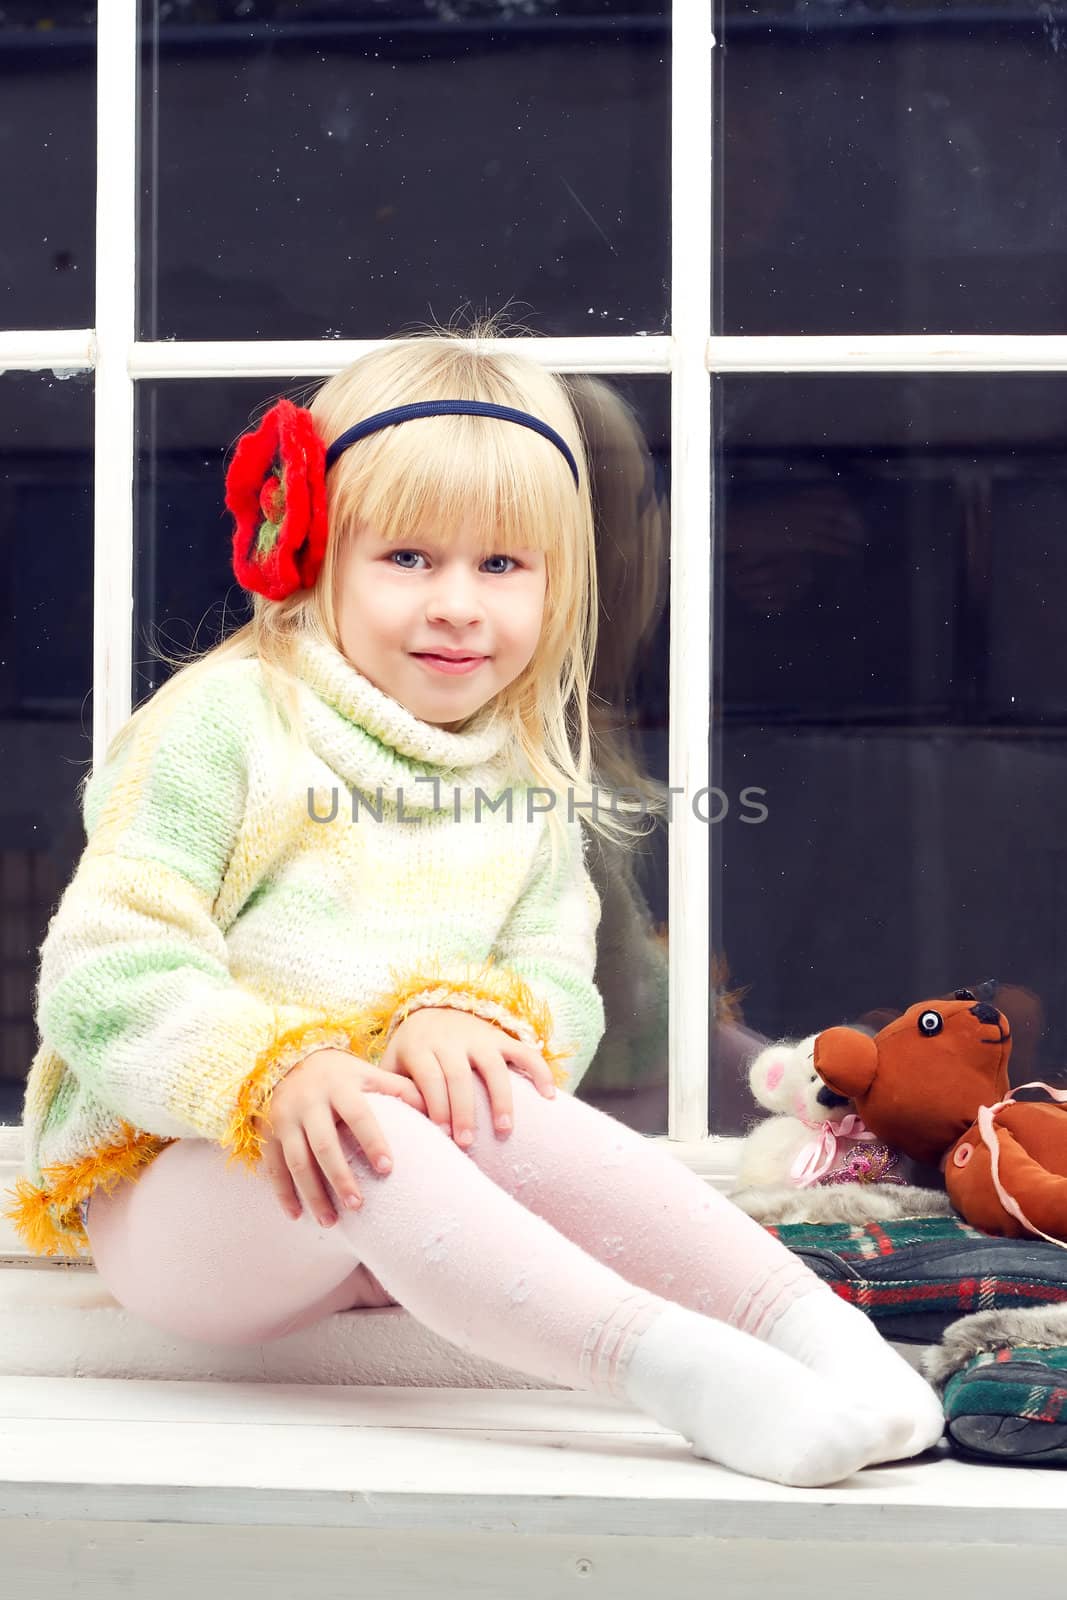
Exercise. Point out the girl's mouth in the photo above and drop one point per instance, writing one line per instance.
(442, 664)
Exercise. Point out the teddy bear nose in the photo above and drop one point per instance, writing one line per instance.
(985, 1013)
(827, 1097)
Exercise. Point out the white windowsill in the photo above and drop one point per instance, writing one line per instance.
(436, 1486)
(534, 1461)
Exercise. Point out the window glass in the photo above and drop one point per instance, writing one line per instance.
(344, 169)
(46, 577)
(47, 163)
(891, 167)
(892, 688)
(187, 599)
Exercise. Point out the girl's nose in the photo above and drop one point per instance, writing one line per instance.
(454, 600)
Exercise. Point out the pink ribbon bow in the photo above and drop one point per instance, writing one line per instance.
(815, 1158)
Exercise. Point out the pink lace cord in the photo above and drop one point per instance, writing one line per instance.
(986, 1127)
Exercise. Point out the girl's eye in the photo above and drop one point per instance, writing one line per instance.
(393, 554)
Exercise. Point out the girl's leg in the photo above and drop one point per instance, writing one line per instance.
(200, 1247)
(480, 1269)
(485, 1272)
(633, 1205)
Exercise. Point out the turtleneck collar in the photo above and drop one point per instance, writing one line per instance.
(333, 678)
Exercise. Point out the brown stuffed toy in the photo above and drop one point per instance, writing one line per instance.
(934, 1083)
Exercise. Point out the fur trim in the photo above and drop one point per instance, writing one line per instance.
(851, 1202)
(273, 1063)
(1034, 1327)
(495, 993)
(727, 1000)
(47, 1215)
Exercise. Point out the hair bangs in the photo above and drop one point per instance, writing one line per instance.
(434, 476)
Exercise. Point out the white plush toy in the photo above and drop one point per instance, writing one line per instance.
(816, 1137)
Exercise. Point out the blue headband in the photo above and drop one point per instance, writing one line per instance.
(439, 408)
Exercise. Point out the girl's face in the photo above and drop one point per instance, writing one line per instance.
(399, 604)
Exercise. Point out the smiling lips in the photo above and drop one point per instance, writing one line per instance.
(449, 663)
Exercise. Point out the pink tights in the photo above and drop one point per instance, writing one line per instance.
(548, 1250)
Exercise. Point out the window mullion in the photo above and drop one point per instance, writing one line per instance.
(688, 887)
(299, 358)
(60, 350)
(891, 352)
(116, 242)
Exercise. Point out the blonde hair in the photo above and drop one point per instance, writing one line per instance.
(515, 484)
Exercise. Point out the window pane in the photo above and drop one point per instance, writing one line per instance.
(343, 169)
(889, 644)
(892, 168)
(46, 575)
(187, 598)
(47, 164)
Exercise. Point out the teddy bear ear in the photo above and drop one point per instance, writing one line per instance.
(768, 1076)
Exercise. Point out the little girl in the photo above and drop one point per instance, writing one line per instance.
(329, 950)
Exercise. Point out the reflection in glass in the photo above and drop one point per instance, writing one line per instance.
(46, 532)
(891, 168)
(187, 599)
(344, 171)
(47, 164)
(892, 675)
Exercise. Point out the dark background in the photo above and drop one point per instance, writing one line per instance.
(889, 558)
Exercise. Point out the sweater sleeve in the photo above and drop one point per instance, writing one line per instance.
(135, 993)
(537, 983)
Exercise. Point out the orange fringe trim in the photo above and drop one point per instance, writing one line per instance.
(47, 1216)
(727, 1001)
(506, 989)
(256, 1093)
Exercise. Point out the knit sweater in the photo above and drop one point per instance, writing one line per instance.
(229, 917)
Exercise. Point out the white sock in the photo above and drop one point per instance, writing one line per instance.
(750, 1407)
(840, 1344)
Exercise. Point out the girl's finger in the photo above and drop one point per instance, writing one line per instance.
(321, 1132)
(280, 1179)
(395, 1083)
(301, 1162)
(533, 1064)
(424, 1068)
(356, 1111)
(456, 1066)
(494, 1070)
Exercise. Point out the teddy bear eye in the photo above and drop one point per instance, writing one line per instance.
(930, 1022)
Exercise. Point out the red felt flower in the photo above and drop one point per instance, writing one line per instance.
(276, 490)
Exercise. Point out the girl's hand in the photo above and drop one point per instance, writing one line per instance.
(327, 1087)
(438, 1047)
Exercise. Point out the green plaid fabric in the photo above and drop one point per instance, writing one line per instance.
(923, 1273)
(1010, 1405)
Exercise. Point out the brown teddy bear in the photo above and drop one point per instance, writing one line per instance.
(934, 1083)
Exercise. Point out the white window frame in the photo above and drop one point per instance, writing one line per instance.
(689, 356)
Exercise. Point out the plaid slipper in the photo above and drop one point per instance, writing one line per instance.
(1003, 1383)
